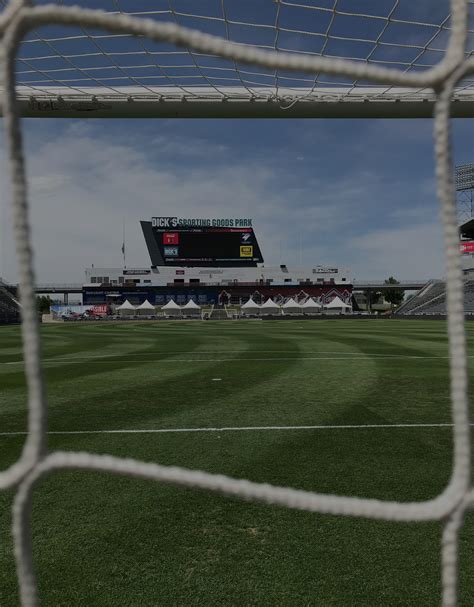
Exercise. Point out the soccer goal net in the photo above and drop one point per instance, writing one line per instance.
(220, 58)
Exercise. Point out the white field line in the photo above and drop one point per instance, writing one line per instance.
(240, 429)
(217, 352)
(233, 359)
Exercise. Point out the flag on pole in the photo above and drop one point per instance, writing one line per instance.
(123, 244)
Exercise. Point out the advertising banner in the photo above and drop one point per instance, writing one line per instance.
(98, 310)
(78, 311)
(467, 246)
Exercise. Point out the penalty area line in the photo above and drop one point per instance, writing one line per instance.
(391, 357)
(239, 429)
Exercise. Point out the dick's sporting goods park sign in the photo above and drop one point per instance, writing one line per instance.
(179, 222)
(188, 241)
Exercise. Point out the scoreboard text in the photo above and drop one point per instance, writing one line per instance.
(206, 241)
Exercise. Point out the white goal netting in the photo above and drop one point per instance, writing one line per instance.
(261, 70)
(83, 69)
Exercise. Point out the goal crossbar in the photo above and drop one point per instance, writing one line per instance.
(237, 103)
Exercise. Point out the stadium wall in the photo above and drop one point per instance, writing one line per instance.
(211, 295)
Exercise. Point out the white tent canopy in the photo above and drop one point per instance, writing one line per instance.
(146, 305)
(191, 305)
(250, 304)
(191, 308)
(171, 308)
(310, 305)
(250, 307)
(291, 307)
(126, 308)
(171, 305)
(337, 303)
(270, 307)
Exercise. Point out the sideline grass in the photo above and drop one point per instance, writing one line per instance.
(103, 540)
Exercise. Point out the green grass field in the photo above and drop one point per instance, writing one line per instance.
(102, 540)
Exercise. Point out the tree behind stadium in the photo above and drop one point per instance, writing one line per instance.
(393, 296)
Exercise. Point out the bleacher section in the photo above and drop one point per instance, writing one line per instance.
(431, 300)
(469, 297)
(9, 307)
(431, 292)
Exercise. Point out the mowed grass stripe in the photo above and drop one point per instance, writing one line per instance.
(112, 541)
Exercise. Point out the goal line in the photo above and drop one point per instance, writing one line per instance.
(239, 429)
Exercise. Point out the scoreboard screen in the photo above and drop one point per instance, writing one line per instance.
(188, 245)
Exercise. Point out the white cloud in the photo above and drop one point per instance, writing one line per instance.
(410, 252)
(83, 184)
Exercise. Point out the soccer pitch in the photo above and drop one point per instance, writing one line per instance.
(350, 407)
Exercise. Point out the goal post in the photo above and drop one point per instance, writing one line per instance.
(278, 66)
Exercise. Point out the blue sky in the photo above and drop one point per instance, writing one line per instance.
(356, 193)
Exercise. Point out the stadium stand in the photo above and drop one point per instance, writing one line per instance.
(431, 300)
(434, 307)
(9, 306)
(469, 297)
(429, 293)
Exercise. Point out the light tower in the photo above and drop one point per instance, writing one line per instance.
(464, 183)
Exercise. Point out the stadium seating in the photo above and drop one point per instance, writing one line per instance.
(9, 307)
(431, 300)
(469, 297)
(431, 292)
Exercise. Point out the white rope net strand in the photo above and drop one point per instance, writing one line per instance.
(442, 80)
(77, 70)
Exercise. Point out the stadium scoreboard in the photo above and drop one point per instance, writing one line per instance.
(201, 242)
